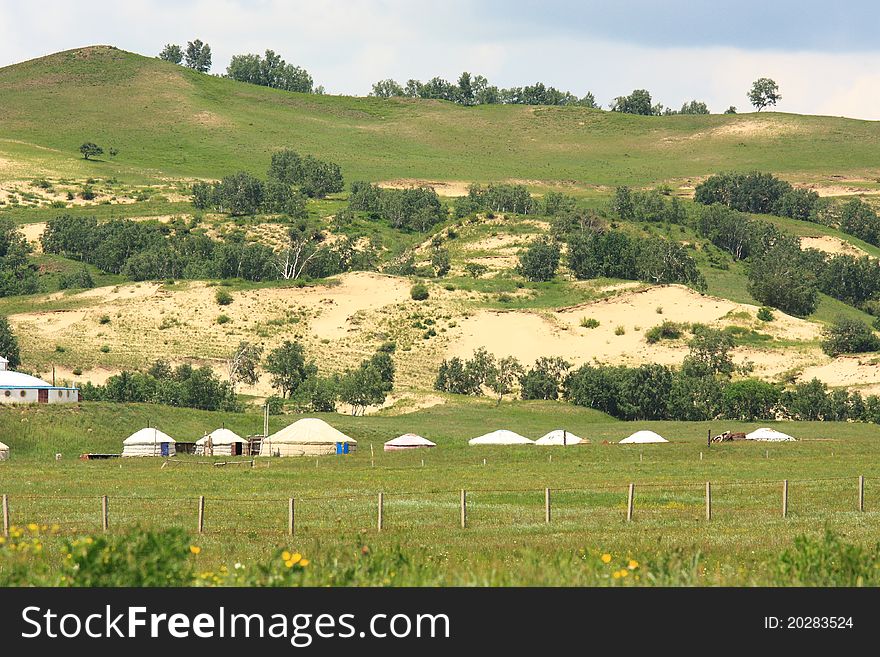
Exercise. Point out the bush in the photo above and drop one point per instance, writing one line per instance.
(849, 336)
(80, 279)
(105, 349)
(223, 297)
(105, 319)
(589, 322)
(419, 292)
(666, 331)
(828, 562)
(223, 319)
(620, 330)
(539, 261)
(765, 314)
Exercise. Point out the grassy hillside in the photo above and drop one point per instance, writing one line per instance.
(169, 121)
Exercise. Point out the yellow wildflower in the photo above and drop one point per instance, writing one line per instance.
(285, 556)
(195, 549)
(33, 527)
(606, 558)
(616, 574)
(633, 564)
(304, 563)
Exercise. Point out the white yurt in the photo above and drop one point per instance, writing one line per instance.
(769, 435)
(501, 437)
(643, 437)
(220, 442)
(21, 388)
(559, 437)
(307, 437)
(408, 441)
(4, 452)
(148, 442)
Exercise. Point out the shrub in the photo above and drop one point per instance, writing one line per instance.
(419, 292)
(589, 322)
(77, 371)
(105, 349)
(223, 319)
(828, 562)
(620, 330)
(223, 297)
(849, 336)
(666, 331)
(105, 319)
(765, 314)
(539, 261)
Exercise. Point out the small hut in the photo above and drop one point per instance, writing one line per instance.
(408, 441)
(221, 442)
(4, 452)
(148, 442)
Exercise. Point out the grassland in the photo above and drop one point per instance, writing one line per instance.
(246, 507)
(204, 126)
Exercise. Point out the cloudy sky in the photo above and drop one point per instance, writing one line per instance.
(825, 56)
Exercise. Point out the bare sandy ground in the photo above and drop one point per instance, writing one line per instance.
(448, 188)
(831, 245)
(848, 371)
(529, 335)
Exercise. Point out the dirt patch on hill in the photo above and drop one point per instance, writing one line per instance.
(752, 127)
(210, 120)
(448, 188)
(32, 233)
(831, 245)
(619, 338)
(862, 372)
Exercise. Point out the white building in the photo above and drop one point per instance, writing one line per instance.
(19, 388)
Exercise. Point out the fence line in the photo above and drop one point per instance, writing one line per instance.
(391, 500)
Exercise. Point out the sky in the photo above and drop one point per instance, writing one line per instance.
(825, 56)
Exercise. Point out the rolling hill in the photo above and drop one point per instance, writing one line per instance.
(172, 125)
(168, 121)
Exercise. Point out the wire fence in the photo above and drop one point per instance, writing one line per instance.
(445, 509)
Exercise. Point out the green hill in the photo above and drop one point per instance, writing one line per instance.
(168, 121)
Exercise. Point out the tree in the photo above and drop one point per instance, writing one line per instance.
(440, 261)
(589, 100)
(764, 93)
(172, 53)
(730, 110)
(750, 400)
(504, 377)
(288, 367)
(849, 336)
(361, 388)
(694, 107)
(242, 366)
(709, 353)
(198, 56)
(539, 261)
(475, 269)
(9, 344)
(17, 274)
(778, 278)
(89, 150)
(545, 378)
(638, 102)
(303, 239)
(387, 89)
(239, 194)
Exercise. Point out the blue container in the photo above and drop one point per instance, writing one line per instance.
(342, 448)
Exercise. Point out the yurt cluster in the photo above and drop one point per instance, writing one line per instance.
(315, 437)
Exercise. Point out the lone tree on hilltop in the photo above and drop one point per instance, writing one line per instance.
(90, 150)
(764, 93)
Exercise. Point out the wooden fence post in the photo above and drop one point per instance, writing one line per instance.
(629, 502)
(547, 505)
(201, 514)
(708, 501)
(463, 509)
(381, 510)
(861, 492)
(105, 513)
(5, 515)
(785, 498)
(290, 516)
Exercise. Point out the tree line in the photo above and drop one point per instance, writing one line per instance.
(702, 388)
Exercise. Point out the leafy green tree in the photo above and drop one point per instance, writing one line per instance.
(288, 366)
(750, 400)
(90, 150)
(694, 107)
(505, 376)
(304, 238)
(361, 388)
(198, 56)
(172, 53)
(81, 279)
(539, 260)
(807, 401)
(849, 336)
(419, 292)
(638, 102)
(387, 89)
(730, 110)
(240, 194)
(440, 261)
(778, 278)
(709, 353)
(589, 100)
(475, 269)
(323, 393)
(17, 274)
(544, 380)
(243, 364)
(9, 348)
(764, 93)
